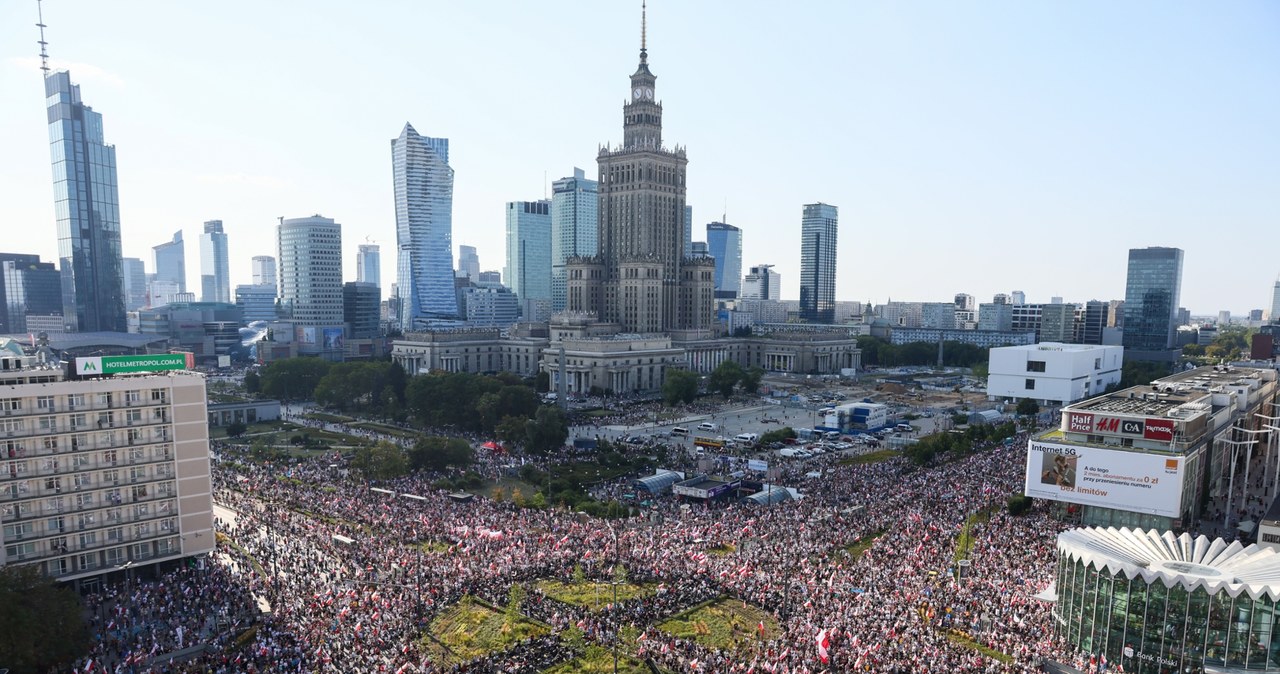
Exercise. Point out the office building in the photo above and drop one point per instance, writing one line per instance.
(135, 283)
(171, 263)
(468, 263)
(106, 472)
(87, 210)
(1152, 292)
(1094, 321)
(938, 315)
(724, 242)
(310, 255)
(1057, 322)
(528, 270)
(484, 304)
(360, 302)
(1052, 373)
(1025, 318)
(490, 277)
(204, 329)
(369, 265)
(1001, 298)
(688, 230)
(641, 279)
(762, 283)
(1274, 316)
(264, 270)
(28, 288)
(424, 228)
(818, 263)
(215, 266)
(996, 316)
(700, 249)
(1017, 297)
(256, 302)
(980, 337)
(575, 229)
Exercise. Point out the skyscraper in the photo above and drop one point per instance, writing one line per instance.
(725, 244)
(641, 279)
(818, 263)
(215, 267)
(257, 302)
(528, 269)
(369, 266)
(762, 283)
(575, 228)
(1275, 303)
(87, 209)
(424, 228)
(310, 255)
(27, 287)
(1152, 291)
(468, 263)
(688, 230)
(135, 284)
(171, 263)
(264, 270)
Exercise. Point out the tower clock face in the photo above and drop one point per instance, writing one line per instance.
(648, 93)
(638, 93)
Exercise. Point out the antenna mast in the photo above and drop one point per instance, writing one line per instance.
(44, 51)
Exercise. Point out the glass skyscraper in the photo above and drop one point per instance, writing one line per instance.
(135, 284)
(424, 228)
(171, 262)
(215, 270)
(528, 271)
(369, 265)
(575, 228)
(87, 210)
(264, 270)
(724, 242)
(818, 263)
(310, 254)
(27, 287)
(1151, 295)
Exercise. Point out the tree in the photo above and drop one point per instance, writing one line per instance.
(680, 386)
(1028, 408)
(751, 379)
(252, 383)
(294, 378)
(236, 429)
(546, 431)
(1192, 350)
(382, 461)
(542, 382)
(511, 431)
(43, 623)
(725, 378)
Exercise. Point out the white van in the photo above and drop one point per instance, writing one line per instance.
(708, 426)
(747, 438)
(680, 431)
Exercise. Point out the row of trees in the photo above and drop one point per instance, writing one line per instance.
(878, 352)
(957, 443)
(1230, 344)
(471, 402)
(729, 376)
(374, 387)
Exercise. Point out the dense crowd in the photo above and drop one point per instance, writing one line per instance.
(363, 605)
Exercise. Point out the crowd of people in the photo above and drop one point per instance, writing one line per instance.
(353, 577)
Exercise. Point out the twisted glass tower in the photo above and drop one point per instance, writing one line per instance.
(87, 211)
(424, 228)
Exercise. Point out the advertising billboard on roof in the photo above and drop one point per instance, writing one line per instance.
(1111, 478)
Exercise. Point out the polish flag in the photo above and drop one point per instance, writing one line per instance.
(824, 643)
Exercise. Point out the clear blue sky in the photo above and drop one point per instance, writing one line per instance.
(975, 147)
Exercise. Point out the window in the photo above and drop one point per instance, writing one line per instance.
(11, 405)
(10, 425)
(137, 473)
(1097, 363)
(141, 511)
(104, 400)
(132, 397)
(53, 505)
(88, 539)
(53, 484)
(133, 416)
(79, 420)
(79, 461)
(17, 531)
(20, 551)
(51, 443)
(16, 468)
(142, 530)
(79, 442)
(106, 419)
(44, 402)
(88, 562)
(116, 556)
(84, 500)
(84, 480)
(157, 395)
(109, 457)
(1031, 384)
(48, 423)
(75, 400)
(139, 491)
(142, 551)
(1035, 366)
(136, 453)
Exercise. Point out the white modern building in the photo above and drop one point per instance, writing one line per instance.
(369, 264)
(762, 283)
(310, 254)
(1053, 373)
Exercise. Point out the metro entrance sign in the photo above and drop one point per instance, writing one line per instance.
(123, 364)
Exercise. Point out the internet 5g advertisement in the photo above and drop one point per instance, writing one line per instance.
(1147, 483)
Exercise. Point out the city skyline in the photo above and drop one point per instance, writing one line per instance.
(962, 129)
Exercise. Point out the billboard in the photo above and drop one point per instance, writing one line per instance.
(119, 364)
(332, 338)
(757, 464)
(1110, 478)
(1146, 428)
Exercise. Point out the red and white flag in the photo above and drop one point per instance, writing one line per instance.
(824, 644)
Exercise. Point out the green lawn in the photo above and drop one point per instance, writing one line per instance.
(958, 637)
(432, 546)
(593, 595)
(471, 629)
(328, 418)
(725, 624)
(386, 429)
(856, 548)
(721, 550)
(599, 660)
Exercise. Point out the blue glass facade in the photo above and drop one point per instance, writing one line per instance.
(424, 228)
(724, 242)
(818, 263)
(1151, 296)
(215, 269)
(87, 211)
(529, 245)
(575, 228)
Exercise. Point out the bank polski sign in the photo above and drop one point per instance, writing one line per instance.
(95, 365)
(1111, 478)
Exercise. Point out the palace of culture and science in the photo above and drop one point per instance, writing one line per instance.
(640, 306)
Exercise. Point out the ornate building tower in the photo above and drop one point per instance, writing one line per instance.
(641, 196)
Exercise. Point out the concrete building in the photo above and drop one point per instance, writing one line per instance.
(996, 316)
(470, 350)
(360, 302)
(1052, 373)
(171, 264)
(575, 229)
(941, 315)
(1274, 315)
(206, 329)
(264, 270)
(986, 338)
(490, 277)
(762, 283)
(528, 270)
(215, 270)
(1026, 318)
(369, 266)
(310, 255)
(1093, 322)
(724, 243)
(488, 304)
(256, 302)
(818, 233)
(423, 182)
(1152, 293)
(104, 473)
(1058, 322)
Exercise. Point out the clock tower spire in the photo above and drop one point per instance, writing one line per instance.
(642, 116)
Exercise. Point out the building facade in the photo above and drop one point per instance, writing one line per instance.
(488, 304)
(529, 243)
(310, 255)
(985, 338)
(1052, 373)
(264, 270)
(215, 264)
(1057, 322)
(818, 230)
(256, 302)
(424, 228)
(360, 302)
(28, 287)
(762, 283)
(103, 473)
(724, 243)
(135, 283)
(468, 350)
(1153, 289)
(575, 229)
(468, 263)
(369, 265)
(171, 263)
(87, 210)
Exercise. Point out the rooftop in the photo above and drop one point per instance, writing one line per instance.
(1180, 395)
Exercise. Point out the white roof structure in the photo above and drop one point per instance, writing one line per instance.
(1213, 564)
